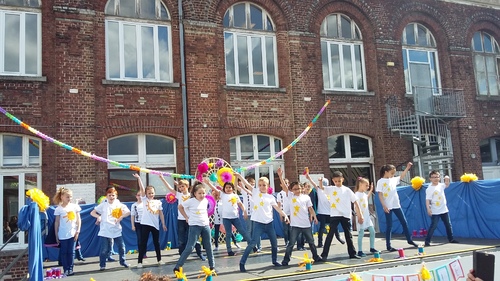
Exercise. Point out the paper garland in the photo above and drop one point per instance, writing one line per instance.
(292, 144)
(452, 271)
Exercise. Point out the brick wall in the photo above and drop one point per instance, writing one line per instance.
(20, 269)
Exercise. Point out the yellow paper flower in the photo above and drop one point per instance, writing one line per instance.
(225, 175)
(116, 213)
(375, 260)
(354, 277)
(468, 177)
(180, 275)
(205, 270)
(417, 183)
(71, 216)
(306, 260)
(424, 272)
(39, 198)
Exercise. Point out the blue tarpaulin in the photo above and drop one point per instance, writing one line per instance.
(474, 209)
(29, 220)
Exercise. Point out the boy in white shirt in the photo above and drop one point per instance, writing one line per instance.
(435, 201)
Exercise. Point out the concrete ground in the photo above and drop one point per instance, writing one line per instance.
(259, 265)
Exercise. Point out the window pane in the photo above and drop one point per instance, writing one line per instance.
(163, 13)
(123, 180)
(422, 36)
(255, 18)
(359, 147)
(110, 7)
(14, 2)
(12, 43)
(336, 147)
(159, 145)
(243, 59)
(270, 61)
(278, 147)
(225, 21)
(246, 144)
(484, 147)
(418, 56)
(127, 8)
(12, 150)
(232, 150)
(164, 53)
(148, 60)
(410, 34)
(148, 9)
(335, 62)
(348, 75)
(492, 75)
(476, 41)
(487, 43)
(34, 152)
(407, 75)
(10, 210)
(229, 51)
(264, 146)
(113, 50)
(482, 83)
(345, 23)
(359, 67)
(497, 146)
(31, 44)
(332, 28)
(258, 71)
(130, 50)
(269, 24)
(326, 69)
(127, 145)
(239, 16)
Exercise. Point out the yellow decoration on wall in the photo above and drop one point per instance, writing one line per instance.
(417, 183)
(468, 177)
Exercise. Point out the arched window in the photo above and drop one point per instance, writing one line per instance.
(342, 54)
(250, 47)
(143, 150)
(352, 155)
(21, 43)
(420, 60)
(20, 170)
(486, 63)
(247, 150)
(138, 41)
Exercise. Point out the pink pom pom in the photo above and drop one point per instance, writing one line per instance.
(199, 177)
(202, 168)
(227, 177)
(270, 190)
(170, 198)
(219, 163)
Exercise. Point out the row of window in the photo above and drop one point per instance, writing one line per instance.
(139, 48)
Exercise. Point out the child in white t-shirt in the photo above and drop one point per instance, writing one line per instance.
(218, 222)
(135, 218)
(248, 203)
(282, 200)
(109, 214)
(435, 201)
(67, 227)
(361, 188)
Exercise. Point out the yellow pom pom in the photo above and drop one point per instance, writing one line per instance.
(424, 272)
(354, 277)
(468, 177)
(39, 198)
(417, 183)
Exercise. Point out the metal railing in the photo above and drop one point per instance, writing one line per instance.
(439, 102)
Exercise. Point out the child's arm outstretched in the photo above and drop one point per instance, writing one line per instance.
(370, 190)
(206, 181)
(247, 187)
(282, 214)
(284, 186)
(167, 185)
(408, 166)
(141, 187)
(308, 177)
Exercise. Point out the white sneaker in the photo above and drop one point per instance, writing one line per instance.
(237, 245)
(139, 265)
(160, 263)
(216, 248)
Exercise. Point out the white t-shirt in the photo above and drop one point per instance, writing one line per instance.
(323, 202)
(136, 211)
(389, 192)
(108, 227)
(151, 212)
(247, 202)
(363, 205)
(196, 211)
(181, 197)
(229, 205)
(299, 210)
(67, 220)
(435, 193)
(284, 200)
(262, 206)
(340, 201)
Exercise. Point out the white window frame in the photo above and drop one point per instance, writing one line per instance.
(22, 12)
(348, 157)
(483, 55)
(25, 157)
(249, 34)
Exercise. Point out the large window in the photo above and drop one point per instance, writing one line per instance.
(490, 151)
(20, 38)
(143, 150)
(138, 41)
(20, 170)
(352, 155)
(247, 150)
(342, 54)
(486, 63)
(250, 47)
(420, 60)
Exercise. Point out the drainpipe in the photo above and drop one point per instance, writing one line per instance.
(183, 89)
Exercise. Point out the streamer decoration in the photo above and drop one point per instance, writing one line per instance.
(88, 154)
(292, 144)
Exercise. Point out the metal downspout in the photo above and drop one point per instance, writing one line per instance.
(183, 89)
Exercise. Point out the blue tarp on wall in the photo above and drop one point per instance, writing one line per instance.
(474, 209)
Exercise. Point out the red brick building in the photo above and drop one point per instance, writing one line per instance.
(144, 82)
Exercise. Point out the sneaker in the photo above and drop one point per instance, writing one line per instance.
(139, 265)
(160, 262)
(355, 257)
(111, 259)
(124, 264)
(454, 241)
(277, 264)
(318, 259)
(81, 259)
(277, 249)
(202, 257)
(361, 254)
(70, 273)
(284, 263)
(231, 254)
(373, 250)
(259, 250)
(391, 249)
(102, 268)
(255, 249)
(216, 248)
(427, 244)
(237, 245)
(242, 267)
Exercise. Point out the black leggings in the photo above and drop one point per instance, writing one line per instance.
(146, 229)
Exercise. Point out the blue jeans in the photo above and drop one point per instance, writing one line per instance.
(193, 235)
(258, 229)
(228, 224)
(67, 250)
(286, 231)
(434, 222)
(361, 233)
(346, 225)
(294, 234)
(249, 225)
(182, 234)
(106, 249)
(388, 229)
